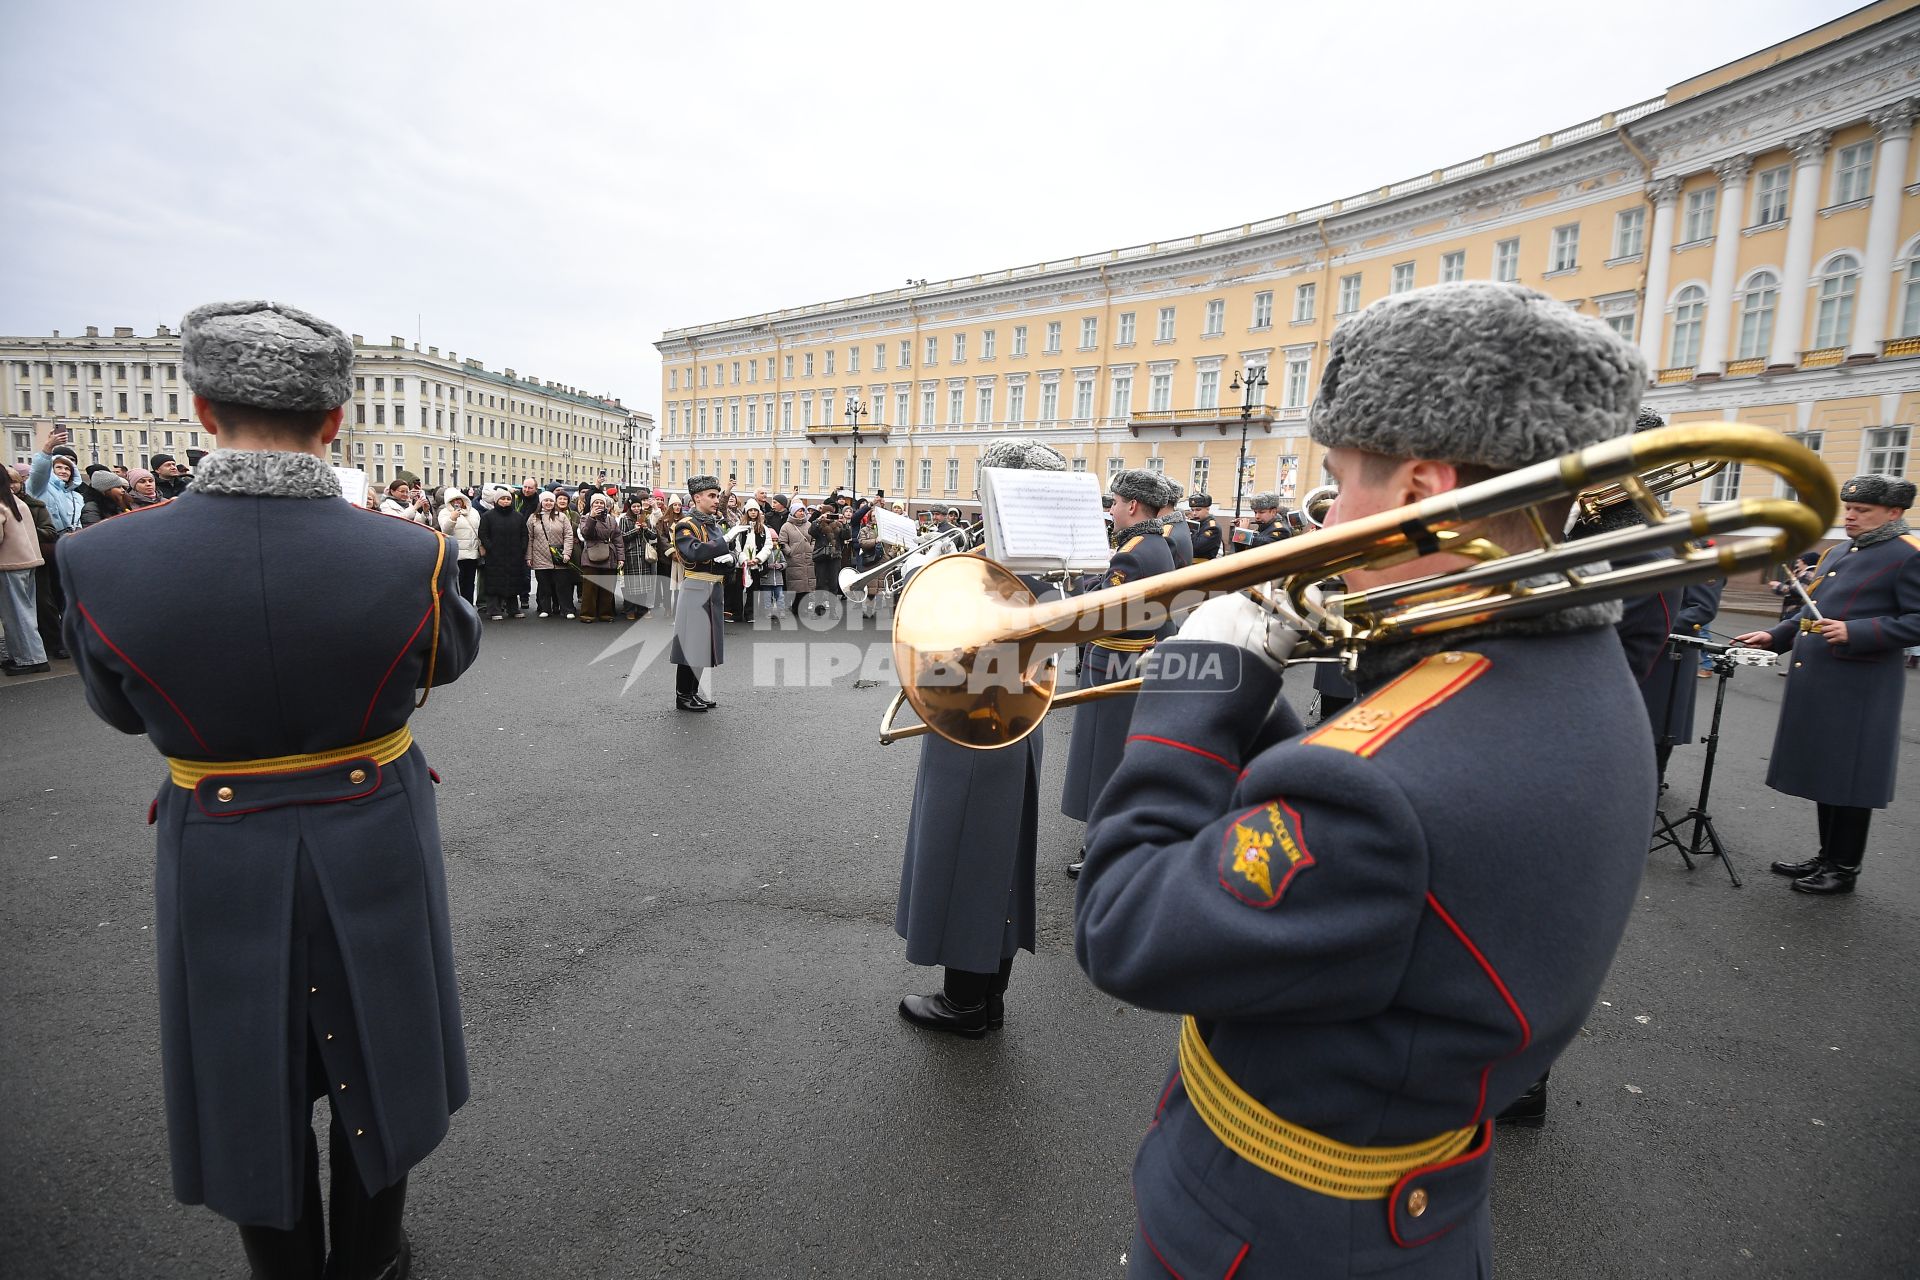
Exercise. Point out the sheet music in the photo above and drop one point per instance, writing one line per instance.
(353, 484)
(895, 528)
(1044, 520)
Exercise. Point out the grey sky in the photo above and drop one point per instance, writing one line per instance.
(549, 186)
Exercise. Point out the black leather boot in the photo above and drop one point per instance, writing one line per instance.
(937, 1013)
(1796, 870)
(688, 702)
(1828, 880)
(1529, 1110)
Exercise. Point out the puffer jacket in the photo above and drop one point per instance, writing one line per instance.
(462, 524)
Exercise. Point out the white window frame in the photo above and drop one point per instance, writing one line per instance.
(1089, 332)
(959, 348)
(1124, 337)
(1453, 266)
(1506, 259)
(1019, 340)
(1401, 280)
(1296, 385)
(1853, 171)
(1884, 450)
(1083, 397)
(1772, 188)
(1160, 392)
(1630, 232)
(1163, 331)
(1349, 300)
(1838, 286)
(1053, 339)
(1689, 326)
(1759, 306)
(989, 341)
(1564, 253)
(1696, 220)
(1216, 318)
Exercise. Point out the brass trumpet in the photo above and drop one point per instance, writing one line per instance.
(970, 642)
(852, 580)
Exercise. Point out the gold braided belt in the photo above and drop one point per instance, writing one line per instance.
(1287, 1150)
(384, 750)
(700, 575)
(1121, 644)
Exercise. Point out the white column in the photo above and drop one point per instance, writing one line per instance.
(1726, 255)
(1653, 308)
(1895, 124)
(1790, 325)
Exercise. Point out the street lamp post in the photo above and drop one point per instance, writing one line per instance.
(1252, 380)
(855, 411)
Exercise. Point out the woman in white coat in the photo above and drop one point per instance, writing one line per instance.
(461, 523)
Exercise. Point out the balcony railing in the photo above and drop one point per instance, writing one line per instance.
(1894, 347)
(1822, 356)
(833, 431)
(1682, 373)
(1742, 368)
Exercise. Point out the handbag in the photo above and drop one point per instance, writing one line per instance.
(597, 554)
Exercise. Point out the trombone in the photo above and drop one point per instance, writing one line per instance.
(971, 644)
(965, 538)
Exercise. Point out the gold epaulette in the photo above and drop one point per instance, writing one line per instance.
(1372, 722)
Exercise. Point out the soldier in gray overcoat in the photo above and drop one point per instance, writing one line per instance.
(966, 882)
(699, 638)
(302, 928)
(1838, 740)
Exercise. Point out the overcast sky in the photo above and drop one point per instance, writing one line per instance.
(551, 185)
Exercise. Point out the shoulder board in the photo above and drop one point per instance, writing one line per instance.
(1372, 722)
(1132, 542)
(1912, 540)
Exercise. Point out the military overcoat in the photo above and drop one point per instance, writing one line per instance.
(296, 906)
(1382, 937)
(1669, 683)
(699, 631)
(1838, 738)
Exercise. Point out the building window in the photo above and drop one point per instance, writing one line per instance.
(1853, 173)
(1838, 283)
(1080, 464)
(1770, 196)
(1886, 450)
(984, 402)
(1019, 340)
(1506, 260)
(1756, 315)
(1697, 224)
(1115, 465)
(959, 348)
(1017, 403)
(1083, 397)
(806, 365)
(926, 406)
(736, 368)
(1089, 332)
(1198, 476)
(1305, 298)
(787, 365)
(906, 353)
(933, 351)
(1294, 390)
(900, 407)
(953, 475)
(806, 473)
(379, 415)
(1630, 232)
(1453, 266)
(1349, 295)
(399, 415)
(1566, 248)
(1402, 278)
(1160, 393)
(1053, 338)
(1689, 315)
(926, 474)
(753, 416)
(1207, 391)
(1725, 486)
(1216, 318)
(880, 357)
(1126, 330)
(899, 474)
(1165, 332)
(1263, 309)
(987, 343)
(1622, 324)
(956, 406)
(1049, 401)
(853, 360)
(1122, 397)
(1809, 440)
(1910, 304)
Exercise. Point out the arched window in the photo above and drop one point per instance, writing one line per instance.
(1756, 315)
(1833, 324)
(1689, 315)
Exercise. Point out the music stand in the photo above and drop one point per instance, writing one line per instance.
(1666, 832)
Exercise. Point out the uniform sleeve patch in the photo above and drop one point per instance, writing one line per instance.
(1261, 853)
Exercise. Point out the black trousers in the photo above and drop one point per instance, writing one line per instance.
(1843, 834)
(364, 1230)
(549, 584)
(969, 990)
(686, 680)
(469, 571)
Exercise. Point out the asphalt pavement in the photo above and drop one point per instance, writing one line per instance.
(679, 975)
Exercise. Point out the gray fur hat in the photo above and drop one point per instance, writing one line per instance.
(1200, 500)
(1649, 419)
(1170, 491)
(1144, 487)
(701, 484)
(1268, 501)
(1477, 372)
(1018, 453)
(1879, 491)
(266, 355)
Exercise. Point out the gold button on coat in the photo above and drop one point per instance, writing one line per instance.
(1417, 1202)
(357, 777)
(224, 795)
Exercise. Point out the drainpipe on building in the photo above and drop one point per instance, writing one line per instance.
(1106, 345)
(1646, 257)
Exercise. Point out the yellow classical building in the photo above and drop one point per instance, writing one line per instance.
(1755, 230)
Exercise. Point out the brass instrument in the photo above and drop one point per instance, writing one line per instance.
(1645, 490)
(1315, 504)
(970, 642)
(852, 580)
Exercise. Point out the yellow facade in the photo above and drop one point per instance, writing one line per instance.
(1756, 231)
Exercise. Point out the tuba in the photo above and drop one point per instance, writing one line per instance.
(972, 645)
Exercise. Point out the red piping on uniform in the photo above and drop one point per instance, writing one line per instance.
(1474, 1152)
(366, 719)
(1238, 1258)
(1165, 1095)
(87, 614)
(1165, 1265)
(1229, 765)
(1486, 966)
(1660, 652)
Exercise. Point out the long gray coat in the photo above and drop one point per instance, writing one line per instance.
(1671, 686)
(1838, 740)
(303, 904)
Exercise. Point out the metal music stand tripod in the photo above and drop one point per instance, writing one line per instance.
(1704, 841)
